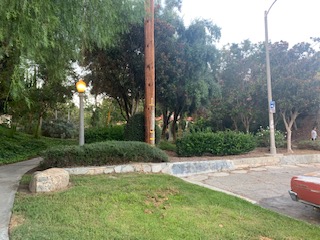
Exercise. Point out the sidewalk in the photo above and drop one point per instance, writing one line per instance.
(10, 176)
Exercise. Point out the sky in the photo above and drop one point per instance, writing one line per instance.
(293, 21)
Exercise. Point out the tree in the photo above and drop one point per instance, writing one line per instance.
(186, 68)
(118, 71)
(63, 28)
(295, 81)
(241, 80)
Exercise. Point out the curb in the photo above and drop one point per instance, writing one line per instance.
(181, 169)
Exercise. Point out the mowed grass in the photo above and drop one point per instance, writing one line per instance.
(147, 206)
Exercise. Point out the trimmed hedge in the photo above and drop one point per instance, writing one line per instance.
(308, 144)
(101, 134)
(219, 143)
(102, 153)
(135, 129)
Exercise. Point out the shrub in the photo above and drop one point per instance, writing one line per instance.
(219, 143)
(102, 153)
(58, 129)
(135, 129)
(165, 145)
(308, 144)
(263, 138)
(100, 134)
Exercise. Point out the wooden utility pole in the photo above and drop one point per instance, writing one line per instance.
(149, 107)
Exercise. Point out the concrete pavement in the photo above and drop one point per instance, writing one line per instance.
(10, 176)
(266, 186)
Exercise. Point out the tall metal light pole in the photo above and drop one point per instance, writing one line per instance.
(81, 88)
(271, 105)
(149, 109)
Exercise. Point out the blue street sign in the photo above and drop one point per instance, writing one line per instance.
(272, 106)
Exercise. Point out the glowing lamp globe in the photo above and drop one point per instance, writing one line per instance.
(81, 86)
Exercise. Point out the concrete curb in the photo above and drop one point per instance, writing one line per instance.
(181, 169)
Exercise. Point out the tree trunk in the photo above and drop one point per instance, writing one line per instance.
(234, 120)
(174, 126)
(289, 134)
(165, 126)
(288, 122)
(39, 126)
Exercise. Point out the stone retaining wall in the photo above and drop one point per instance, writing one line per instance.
(189, 168)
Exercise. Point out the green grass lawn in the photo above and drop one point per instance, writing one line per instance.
(16, 146)
(147, 206)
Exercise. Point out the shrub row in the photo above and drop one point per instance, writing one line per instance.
(102, 153)
(116, 133)
(58, 129)
(219, 143)
(308, 144)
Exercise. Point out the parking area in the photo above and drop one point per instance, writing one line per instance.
(266, 186)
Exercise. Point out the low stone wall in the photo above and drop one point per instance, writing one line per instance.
(197, 167)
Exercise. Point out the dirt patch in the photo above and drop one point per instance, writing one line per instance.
(258, 152)
(15, 221)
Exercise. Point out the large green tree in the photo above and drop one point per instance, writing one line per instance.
(242, 80)
(186, 68)
(118, 71)
(56, 32)
(296, 85)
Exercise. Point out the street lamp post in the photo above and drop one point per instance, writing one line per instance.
(271, 106)
(81, 87)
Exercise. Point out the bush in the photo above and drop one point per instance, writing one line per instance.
(135, 129)
(102, 153)
(308, 144)
(58, 129)
(263, 138)
(219, 143)
(101, 134)
(165, 145)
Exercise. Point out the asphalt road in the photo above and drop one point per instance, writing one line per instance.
(266, 186)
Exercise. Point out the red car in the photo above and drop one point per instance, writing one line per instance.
(306, 189)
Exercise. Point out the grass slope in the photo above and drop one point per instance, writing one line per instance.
(148, 206)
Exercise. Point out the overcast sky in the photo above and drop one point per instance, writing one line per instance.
(290, 20)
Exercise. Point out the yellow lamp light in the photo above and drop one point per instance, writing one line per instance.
(81, 86)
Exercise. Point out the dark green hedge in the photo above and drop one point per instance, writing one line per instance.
(135, 129)
(102, 153)
(219, 143)
(112, 133)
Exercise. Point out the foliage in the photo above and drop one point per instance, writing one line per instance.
(102, 134)
(168, 146)
(296, 81)
(186, 67)
(262, 138)
(241, 78)
(148, 206)
(61, 30)
(16, 147)
(118, 71)
(219, 143)
(308, 144)
(58, 129)
(135, 129)
(102, 153)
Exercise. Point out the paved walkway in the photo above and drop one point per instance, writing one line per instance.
(10, 176)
